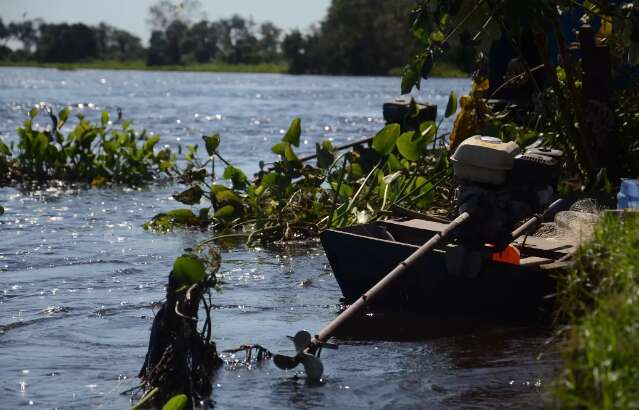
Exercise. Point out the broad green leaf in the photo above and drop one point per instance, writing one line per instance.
(451, 107)
(188, 269)
(393, 163)
(289, 154)
(325, 156)
(410, 77)
(212, 143)
(33, 112)
(181, 217)
(345, 190)
(384, 141)
(105, 118)
(63, 115)
(294, 132)
(227, 196)
(178, 402)
(191, 196)
(150, 143)
(4, 149)
(41, 143)
(236, 175)
(428, 130)
(437, 36)
(280, 148)
(226, 211)
(410, 146)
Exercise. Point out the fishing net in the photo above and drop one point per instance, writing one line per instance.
(575, 225)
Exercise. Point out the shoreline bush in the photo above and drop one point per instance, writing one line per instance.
(599, 299)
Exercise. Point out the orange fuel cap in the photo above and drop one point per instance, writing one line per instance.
(510, 255)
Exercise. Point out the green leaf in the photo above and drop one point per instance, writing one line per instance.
(410, 146)
(178, 402)
(63, 115)
(33, 112)
(182, 216)
(393, 163)
(188, 269)
(345, 190)
(4, 149)
(284, 150)
(294, 132)
(385, 140)
(212, 143)
(325, 156)
(451, 107)
(226, 211)
(280, 148)
(410, 77)
(227, 196)
(289, 154)
(150, 143)
(428, 130)
(105, 118)
(41, 142)
(191, 196)
(236, 176)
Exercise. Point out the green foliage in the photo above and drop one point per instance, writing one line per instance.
(598, 298)
(294, 201)
(96, 154)
(188, 269)
(178, 402)
(570, 104)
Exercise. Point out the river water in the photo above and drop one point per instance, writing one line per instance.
(79, 276)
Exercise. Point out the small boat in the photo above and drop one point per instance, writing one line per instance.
(362, 255)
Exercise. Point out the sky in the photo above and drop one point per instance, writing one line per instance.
(131, 15)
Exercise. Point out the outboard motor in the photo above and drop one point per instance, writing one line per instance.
(501, 186)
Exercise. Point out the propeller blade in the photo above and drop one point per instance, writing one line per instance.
(285, 362)
(302, 340)
(312, 366)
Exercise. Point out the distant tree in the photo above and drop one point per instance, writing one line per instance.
(5, 51)
(125, 46)
(158, 46)
(269, 41)
(238, 42)
(165, 12)
(4, 32)
(26, 32)
(66, 43)
(364, 36)
(200, 43)
(295, 49)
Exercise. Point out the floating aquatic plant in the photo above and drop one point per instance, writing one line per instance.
(98, 154)
(294, 200)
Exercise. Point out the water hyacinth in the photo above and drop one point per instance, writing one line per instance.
(294, 200)
(97, 154)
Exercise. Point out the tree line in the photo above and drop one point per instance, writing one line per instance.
(357, 37)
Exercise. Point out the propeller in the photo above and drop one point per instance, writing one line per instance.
(306, 348)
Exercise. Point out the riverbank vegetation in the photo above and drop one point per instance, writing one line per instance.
(598, 302)
(140, 65)
(183, 39)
